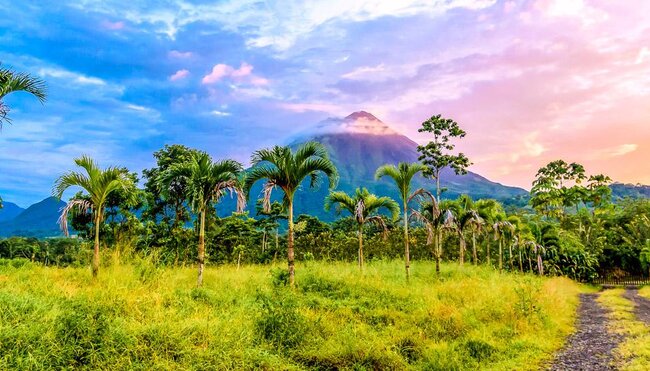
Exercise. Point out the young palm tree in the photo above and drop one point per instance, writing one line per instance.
(11, 82)
(402, 174)
(362, 205)
(98, 184)
(489, 210)
(502, 229)
(467, 217)
(286, 169)
(206, 183)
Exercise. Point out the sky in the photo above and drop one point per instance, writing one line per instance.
(530, 81)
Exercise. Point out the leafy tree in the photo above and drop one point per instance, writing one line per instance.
(362, 205)
(206, 182)
(283, 168)
(269, 221)
(165, 199)
(98, 184)
(556, 186)
(436, 154)
(402, 174)
(11, 82)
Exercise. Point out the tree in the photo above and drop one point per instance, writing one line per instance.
(362, 205)
(436, 154)
(490, 211)
(435, 217)
(11, 82)
(168, 201)
(402, 174)
(556, 186)
(99, 184)
(467, 218)
(503, 230)
(206, 182)
(599, 192)
(283, 168)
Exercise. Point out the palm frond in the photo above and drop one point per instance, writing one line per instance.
(80, 206)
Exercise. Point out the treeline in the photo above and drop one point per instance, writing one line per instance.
(570, 228)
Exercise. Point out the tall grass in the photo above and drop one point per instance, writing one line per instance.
(139, 316)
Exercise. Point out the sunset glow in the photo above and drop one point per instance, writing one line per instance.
(530, 81)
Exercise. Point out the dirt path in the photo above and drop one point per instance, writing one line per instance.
(641, 305)
(591, 346)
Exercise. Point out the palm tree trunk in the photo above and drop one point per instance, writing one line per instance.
(407, 257)
(487, 251)
(361, 247)
(436, 251)
(521, 264)
(461, 256)
(199, 280)
(500, 256)
(474, 253)
(290, 255)
(510, 256)
(95, 266)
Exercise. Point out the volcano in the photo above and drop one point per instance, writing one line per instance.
(359, 143)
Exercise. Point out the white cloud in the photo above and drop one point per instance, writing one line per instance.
(220, 113)
(70, 76)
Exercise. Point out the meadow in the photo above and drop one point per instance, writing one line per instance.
(140, 316)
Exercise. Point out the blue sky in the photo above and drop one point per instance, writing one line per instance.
(529, 80)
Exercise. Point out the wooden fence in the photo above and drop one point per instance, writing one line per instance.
(622, 280)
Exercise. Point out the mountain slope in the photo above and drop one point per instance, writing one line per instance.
(9, 211)
(38, 220)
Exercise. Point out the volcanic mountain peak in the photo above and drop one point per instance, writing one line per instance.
(361, 115)
(360, 122)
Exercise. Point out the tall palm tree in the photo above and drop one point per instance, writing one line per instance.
(489, 210)
(402, 174)
(206, 182)
(283, 168)
(99, 184)
(503, 230)
(362, 205)
(467, 217)
(11, 82)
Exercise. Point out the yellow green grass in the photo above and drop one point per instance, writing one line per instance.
(634, 352)
(137, 316)
(645, 291)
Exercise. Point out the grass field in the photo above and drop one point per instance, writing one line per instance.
(138, 316)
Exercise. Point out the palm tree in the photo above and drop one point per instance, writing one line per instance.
(283, 168)
(489, 210)
(362, 205)
(206, 182)
(402, 174)
(99, 184)
(467, 217)
(502, 229)
(11, 82)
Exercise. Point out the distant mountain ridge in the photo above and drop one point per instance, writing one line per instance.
(38, 220)
(9, 211)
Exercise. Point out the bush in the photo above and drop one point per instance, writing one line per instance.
(279, 322)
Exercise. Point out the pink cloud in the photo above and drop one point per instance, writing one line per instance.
(112, 26)
(179, 75)
(244, 70)
(243, 74)
(180, 55)
(219, 71)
